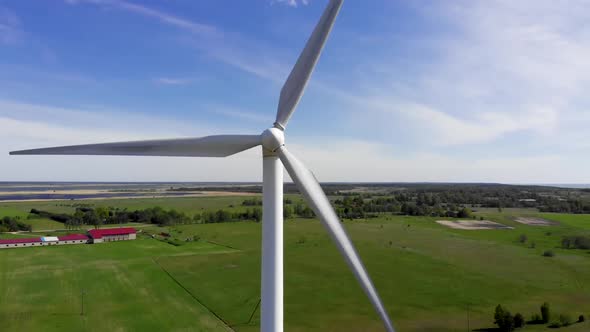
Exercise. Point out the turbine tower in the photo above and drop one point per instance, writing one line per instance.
(274, 153)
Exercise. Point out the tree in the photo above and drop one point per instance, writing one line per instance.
(287, 212)
(161, 216)
(78, 218)
(498, 313)
(504, 319)
(518, 320)
(464, 213)
(102, 213)
(90, 218)
(507, 322)
(299, 209)
(307, 213)
(222, 216)
(68, 224)
(545, 312)
(257, 214)
(197, 218)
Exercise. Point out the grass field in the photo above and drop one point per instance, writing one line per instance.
(189, 205)
(431, 277)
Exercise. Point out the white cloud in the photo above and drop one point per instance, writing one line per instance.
(25, 126)
(291, 3)
(505, 69)
(527, 47)
(21, 132)
(503, 52)
(493, 70)
(172, 81)
(334, 160)
(483, 127)
(329, 158)
(89, 118)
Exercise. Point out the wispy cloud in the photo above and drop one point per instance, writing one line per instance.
(435, 109)
(438, 128)
(255, 59)
(234, 112)
(330, 159)
(24, 126)
(159, 15)
(172, 81)
(23, 134)
(291, 3)
(500, 69)
(509, 63)
(89, 119)
(10, 27)
(234, 49)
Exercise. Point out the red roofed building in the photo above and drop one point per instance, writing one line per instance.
(15, 243)
(73, 239)
(112, 234)
(94, 236)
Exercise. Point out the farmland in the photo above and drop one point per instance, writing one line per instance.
(431, 277)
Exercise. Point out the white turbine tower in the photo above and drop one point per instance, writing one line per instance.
(274, 152)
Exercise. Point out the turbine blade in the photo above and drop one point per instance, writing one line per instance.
(299, 76)
(208, 146)
(313, 193)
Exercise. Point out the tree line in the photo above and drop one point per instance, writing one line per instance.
(575, 242)
(359, 206)
(87, 216)
(367, 206)
(546, 199)
(507, 322)
(13, 224)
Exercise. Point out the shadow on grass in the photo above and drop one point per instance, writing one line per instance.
(489, 329)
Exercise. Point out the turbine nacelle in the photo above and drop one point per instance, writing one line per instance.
(272, 139)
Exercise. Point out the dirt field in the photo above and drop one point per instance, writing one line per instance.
(472, 224)
(535, 221)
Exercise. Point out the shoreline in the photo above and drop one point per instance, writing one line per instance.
(123, 196)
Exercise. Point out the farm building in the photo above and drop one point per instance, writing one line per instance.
(73, 239)
(49, 240)
(94, 236)
(44, 241)
(112, 234)
(16, 243)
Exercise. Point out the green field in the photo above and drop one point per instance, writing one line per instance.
(431, 278)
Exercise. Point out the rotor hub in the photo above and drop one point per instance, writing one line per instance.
(272, 139)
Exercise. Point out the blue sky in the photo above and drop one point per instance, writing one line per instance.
(490, 91)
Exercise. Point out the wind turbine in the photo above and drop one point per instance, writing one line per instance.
(274, 153)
